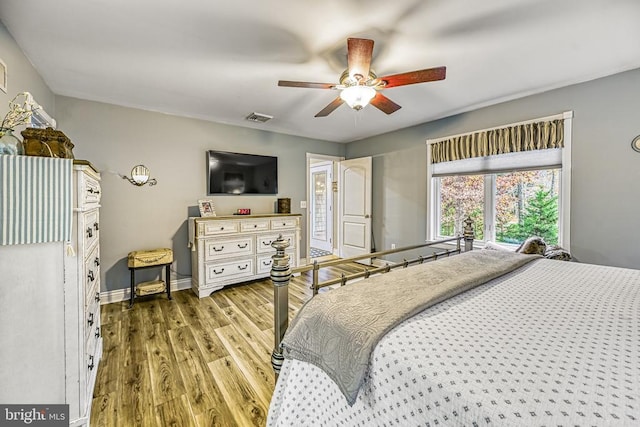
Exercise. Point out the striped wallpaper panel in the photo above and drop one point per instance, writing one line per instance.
(35, 199)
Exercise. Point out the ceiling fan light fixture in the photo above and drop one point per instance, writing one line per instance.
(358, 96)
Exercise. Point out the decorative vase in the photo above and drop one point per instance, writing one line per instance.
(9, 144)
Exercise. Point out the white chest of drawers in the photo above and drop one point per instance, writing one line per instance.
(234, 249)
(50, 309)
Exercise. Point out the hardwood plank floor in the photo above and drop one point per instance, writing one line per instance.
(192, 362)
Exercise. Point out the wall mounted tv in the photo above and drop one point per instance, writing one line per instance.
(236, 173)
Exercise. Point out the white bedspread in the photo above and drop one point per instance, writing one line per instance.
(554, 343)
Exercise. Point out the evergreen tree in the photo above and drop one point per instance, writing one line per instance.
(540, 218)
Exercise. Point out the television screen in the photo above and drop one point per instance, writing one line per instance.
(236, 173)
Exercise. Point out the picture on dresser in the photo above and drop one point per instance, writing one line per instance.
(206, 208)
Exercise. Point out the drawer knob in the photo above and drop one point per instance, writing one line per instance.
(284, 224)
(96, 261)
(255, 225)
(92, 191)
(243, 268)
(90, 319)
(95, 225)
(91, 365)
(267, 243)
(221, 228)
(91, 276)
(267, 262)
(98, 332)
(218, 272)
(89, 232)
(242, 246)
(97, 297)
(218, 250)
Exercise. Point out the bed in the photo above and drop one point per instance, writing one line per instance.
(545, 343)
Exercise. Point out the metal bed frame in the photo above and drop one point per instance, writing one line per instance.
(281, 275)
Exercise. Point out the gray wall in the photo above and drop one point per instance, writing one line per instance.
(114, 139)
(22, 77)
(605, 171)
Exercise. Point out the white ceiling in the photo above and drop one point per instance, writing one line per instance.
(221, 60)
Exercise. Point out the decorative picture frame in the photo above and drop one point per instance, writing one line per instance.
(3, 76)
(206, 207)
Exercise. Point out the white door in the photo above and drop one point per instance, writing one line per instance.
(321, 206)
(355, 207)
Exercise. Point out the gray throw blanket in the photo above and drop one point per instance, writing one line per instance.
(338, 330)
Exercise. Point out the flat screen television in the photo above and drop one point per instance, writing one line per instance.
(236, 173)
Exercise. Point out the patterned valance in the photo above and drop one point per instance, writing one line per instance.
(510, 139)
(35, 199)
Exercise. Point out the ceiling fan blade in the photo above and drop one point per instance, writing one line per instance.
(359, 53)
(307, 84)
(384, 104)
(412, 77)
(329, 108)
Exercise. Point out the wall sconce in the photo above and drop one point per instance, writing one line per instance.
(140, 176)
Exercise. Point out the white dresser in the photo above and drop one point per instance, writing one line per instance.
(234, 249)
(50, 297)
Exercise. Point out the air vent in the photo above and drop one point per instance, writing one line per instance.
(259, 117)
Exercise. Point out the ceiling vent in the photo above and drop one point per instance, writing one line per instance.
(259, 117)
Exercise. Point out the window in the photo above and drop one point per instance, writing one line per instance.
(520, 189)
(505, 207)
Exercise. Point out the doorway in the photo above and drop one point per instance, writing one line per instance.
(321, 221)
(339, 206)
(322, 202)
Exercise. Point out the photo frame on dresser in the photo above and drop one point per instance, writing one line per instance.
(206, 207)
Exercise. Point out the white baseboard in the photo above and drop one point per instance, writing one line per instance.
(124, 294)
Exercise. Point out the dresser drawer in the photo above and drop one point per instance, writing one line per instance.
(214, 249)
(93, 335)
(254, 225)
(223, 270)
(215, 228)
(91, 319)
(91, 273)
(88, 227)
(283, 223)
(263, 264)
(264, 242)
(89, 192)
(93, 295)
(92, 353)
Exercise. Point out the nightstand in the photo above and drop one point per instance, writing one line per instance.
(162, 257)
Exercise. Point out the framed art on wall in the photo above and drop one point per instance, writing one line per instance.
(3, 76)
(206, 207)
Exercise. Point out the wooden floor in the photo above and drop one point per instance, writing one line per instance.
(190, 361)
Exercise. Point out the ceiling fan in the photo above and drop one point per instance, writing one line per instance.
(360, 86)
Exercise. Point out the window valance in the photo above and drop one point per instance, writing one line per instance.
(510, 139)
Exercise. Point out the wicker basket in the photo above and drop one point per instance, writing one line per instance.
(152, 287)
(150, 258)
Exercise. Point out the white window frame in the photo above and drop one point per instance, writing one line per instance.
(564, 198)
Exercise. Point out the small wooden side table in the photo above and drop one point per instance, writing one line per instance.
(162, 257)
